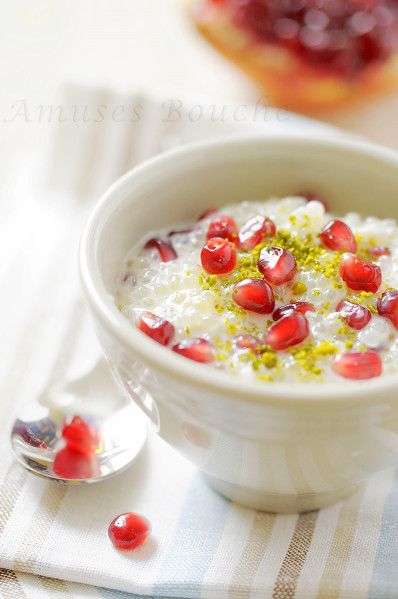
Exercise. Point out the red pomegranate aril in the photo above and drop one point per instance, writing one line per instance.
(129, 531)
(289, 330)
(255, 231)
(339, 237)
(247, 341)
(301, 307)
(223, 226)
(356, 316)
(380, 251)
(157, 328)
(80, 436)
(254, 295)
(360, 275)
(314, 197)
(206, 213)
(199, 350)
(387, 305)
(71, 464)
(277, 265)
(164, 248)
(358, 365)
(218, 256)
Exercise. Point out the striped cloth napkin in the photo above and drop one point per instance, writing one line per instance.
(53, 538)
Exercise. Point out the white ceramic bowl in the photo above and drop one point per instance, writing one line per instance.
(280, 446)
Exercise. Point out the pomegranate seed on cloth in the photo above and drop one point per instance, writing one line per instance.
(356, 316)
(358, 365)
(223, 226)
(80, 436)
(164, 247)
(255, 231)
(277, 265)
(360, 275)
(302, 307)
(218, 256)
(129, 531)
(288, 331)
(387, 305)
(199, 350)
(159, 329)
(339, 237)
(254, 295)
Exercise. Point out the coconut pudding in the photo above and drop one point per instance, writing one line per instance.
(277, 290)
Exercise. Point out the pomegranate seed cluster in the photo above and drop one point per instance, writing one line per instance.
(275, 290)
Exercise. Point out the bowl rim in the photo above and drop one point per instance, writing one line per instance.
(172, 364)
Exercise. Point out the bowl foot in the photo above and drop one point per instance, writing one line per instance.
(279, 503)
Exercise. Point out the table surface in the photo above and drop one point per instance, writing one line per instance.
(133, 45)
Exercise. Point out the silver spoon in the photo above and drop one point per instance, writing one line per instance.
(119, 425)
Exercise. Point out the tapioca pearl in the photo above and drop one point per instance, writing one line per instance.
(288, 205)
(377, 334)
(324, 327)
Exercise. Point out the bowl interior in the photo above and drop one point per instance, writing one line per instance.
(177, 187)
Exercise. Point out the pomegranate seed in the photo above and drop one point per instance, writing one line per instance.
(338, 236)
(199, 350)
(218, 256)
(255, 231)
(360, 275)
(289, 330)
(301, 307)
(355, 316)
(387, 305)
(248, 342)
(80, 436)
(254, 295)
(164, 247)
(224, 227)
(277, 265)
(157, 328)
(206, 213)
(358, 365)
(72, 464)
(380, 251)
(311, 197)
(129, 531)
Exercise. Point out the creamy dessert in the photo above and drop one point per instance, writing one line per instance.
(278, 290)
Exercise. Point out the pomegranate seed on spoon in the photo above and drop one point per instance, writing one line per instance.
(387, 305)
(254, 295)
(380, 251)
(356, 316)
(80, 436)
(358, 365)
(338, 236)
(199, 350)
(360, 275)
(206, 213)
(164, 247)
(72, 464)
(289, 330)
(248, 342)
(277, 265)
(255, 231)
(224, 227)
(157, 328)
(311, 197)
(301, 307)
(129, 531)
(218, 256)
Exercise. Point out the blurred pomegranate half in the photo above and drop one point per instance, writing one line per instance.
(307, 55)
